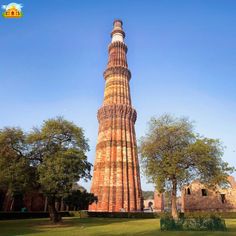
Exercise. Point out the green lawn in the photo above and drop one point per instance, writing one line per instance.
(98, 226)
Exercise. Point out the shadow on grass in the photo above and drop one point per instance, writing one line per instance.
(93, 222)
(33, 226)
(20, 227)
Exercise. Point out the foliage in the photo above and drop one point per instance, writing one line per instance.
(172, 155)
(16, 175)
(80, 214)
(52, 158)
(147, 195)
(168, 223)
(79, 200)
(58, 151)
(200, 223)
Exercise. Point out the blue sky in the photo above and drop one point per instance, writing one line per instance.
(182, 55)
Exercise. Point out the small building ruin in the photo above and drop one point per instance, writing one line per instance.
(197, 197)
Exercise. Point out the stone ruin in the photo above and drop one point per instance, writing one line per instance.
(197, 197)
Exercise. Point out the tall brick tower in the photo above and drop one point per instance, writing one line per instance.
(116, 178)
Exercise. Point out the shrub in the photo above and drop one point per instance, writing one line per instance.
(80, 214)
(200, 223)
(168, 223)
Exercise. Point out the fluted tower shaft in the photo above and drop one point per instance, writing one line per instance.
(116, 177)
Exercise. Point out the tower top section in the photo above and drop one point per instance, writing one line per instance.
(117, 33)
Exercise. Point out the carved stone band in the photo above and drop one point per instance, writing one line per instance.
(115, 111)
(115, 143)
(114, 165)
(118, 31)
(117, 44)
(117, 70)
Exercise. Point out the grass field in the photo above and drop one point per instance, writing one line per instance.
(99, 226)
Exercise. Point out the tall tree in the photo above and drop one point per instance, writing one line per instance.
(173, 154)
(58, 150)
(16, 173)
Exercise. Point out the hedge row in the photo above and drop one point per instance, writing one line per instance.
(146, 215)
(80, 214)
(84, 214)
(27, 215)
(149, 215)
(225, 215)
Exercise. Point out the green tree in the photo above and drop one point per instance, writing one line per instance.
(58, 150)
(16, 173)
(79, 200)
(173, 154)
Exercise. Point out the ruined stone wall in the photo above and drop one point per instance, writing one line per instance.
(33, 201)
(158, 201)
(196, 197)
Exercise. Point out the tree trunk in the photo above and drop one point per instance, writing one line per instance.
(45, 204)
(62, 205)
(174, 211)
(12, 203)
(53, 214)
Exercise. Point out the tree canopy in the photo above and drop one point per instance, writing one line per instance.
(16, 173)
(51, 158)
(58, 150)
(173, 154)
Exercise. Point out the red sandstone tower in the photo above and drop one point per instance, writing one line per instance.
(116, 177)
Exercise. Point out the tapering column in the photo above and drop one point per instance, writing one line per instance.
(116, 177)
